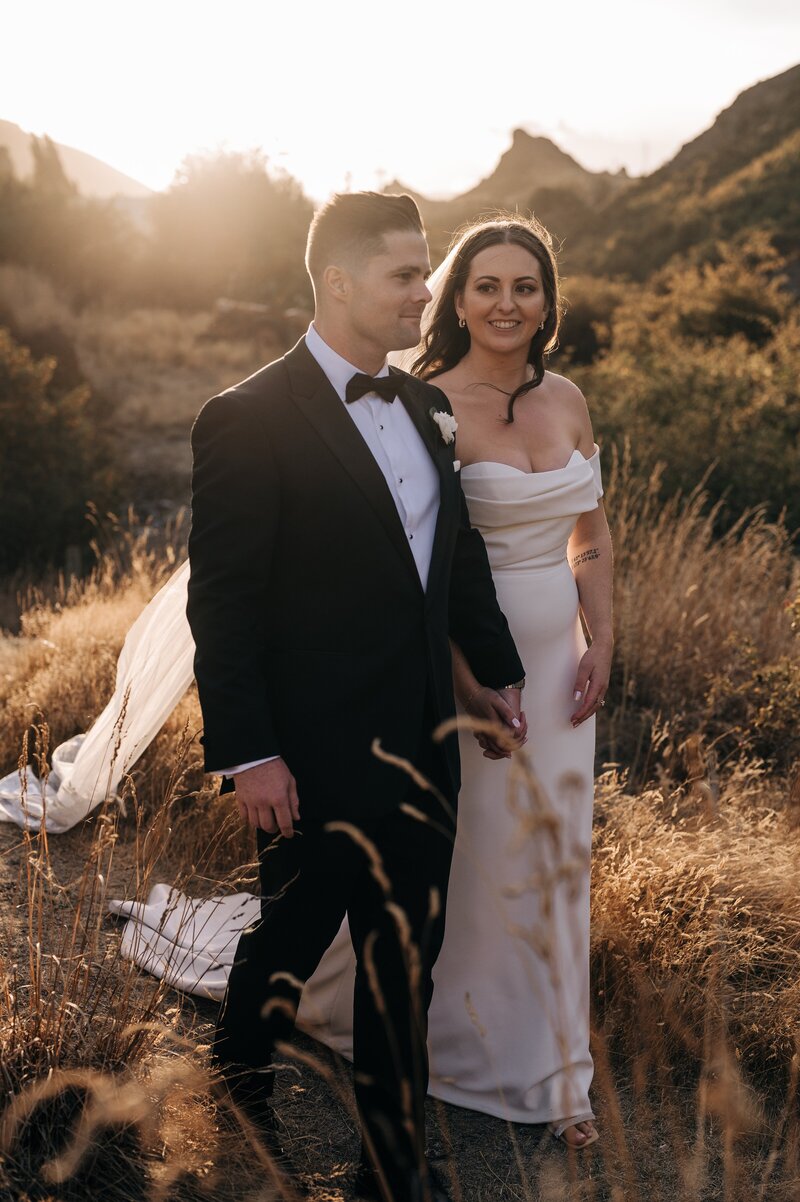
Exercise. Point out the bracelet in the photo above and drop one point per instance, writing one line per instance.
(520, 684)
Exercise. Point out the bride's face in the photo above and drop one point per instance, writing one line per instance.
(503, 302)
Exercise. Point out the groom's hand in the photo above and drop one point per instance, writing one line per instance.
(503, 708)
(267, 797)
(508, 707)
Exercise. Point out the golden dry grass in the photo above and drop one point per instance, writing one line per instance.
(695, 912)
(702, 623)
(696, 921)
(107, 1094)
(63, 662)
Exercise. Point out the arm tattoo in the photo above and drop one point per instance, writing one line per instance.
(585, 556)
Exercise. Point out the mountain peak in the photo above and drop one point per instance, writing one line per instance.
(532, 161)
(520, 135)
(538, 150)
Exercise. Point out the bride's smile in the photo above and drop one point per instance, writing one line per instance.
(503, 302)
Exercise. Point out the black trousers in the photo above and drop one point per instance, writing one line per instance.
(389, 876)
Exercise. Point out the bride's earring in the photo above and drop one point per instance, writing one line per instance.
(541, 326)
(461, 323)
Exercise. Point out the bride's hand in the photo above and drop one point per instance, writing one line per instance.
(591, 682)
(489, 705)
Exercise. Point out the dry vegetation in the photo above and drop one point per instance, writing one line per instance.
(152, 368)
(696, 921)
(696, 927)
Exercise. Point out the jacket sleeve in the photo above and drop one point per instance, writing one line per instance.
(477, 624)
(235, 500)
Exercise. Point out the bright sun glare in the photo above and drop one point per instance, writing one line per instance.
(360, 93)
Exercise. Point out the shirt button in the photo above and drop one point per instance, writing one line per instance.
(380, 427)
(400, 481)
(411, 536)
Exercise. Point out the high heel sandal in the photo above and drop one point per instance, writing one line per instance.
(559, 1131)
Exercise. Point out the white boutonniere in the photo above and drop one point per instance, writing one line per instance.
(447, 425)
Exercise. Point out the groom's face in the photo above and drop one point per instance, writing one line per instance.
(388, 292)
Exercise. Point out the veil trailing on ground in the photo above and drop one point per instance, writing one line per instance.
(154, 670)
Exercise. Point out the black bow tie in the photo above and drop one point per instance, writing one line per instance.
(386, 387)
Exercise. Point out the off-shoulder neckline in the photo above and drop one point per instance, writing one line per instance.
(511, 467)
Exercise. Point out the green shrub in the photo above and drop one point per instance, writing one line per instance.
(55, 456)
(700, 376)
(756, 711)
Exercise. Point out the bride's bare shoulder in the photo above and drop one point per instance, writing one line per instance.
(571, 404)
(562, 389)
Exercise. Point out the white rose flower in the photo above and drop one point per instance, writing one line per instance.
(447, 424)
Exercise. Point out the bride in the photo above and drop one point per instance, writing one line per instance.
(509, 1022)
(531, 476)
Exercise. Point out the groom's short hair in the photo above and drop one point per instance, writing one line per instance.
(351, 227)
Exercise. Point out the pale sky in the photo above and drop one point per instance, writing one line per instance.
(359, 91)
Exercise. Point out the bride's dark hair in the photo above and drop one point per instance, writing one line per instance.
(445, 343)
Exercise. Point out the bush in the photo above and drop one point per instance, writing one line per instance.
(585, 332)
(756, 710)
(700, 375)
(229, 227)
(54, 458)
(86, 246)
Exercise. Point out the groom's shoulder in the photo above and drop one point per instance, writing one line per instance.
(268, 381)
(425, 392)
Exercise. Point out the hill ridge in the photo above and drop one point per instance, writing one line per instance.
(93, 177)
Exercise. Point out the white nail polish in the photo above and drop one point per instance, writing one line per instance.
(577, 695)
(515, 722)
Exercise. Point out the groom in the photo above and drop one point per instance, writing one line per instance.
(331, 560)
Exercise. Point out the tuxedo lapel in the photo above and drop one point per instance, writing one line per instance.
(313, 394)
(415, 400)
(415, 408)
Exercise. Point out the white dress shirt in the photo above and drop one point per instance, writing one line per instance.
(397, 447)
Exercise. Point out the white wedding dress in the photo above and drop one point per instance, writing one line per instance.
(509, 1023)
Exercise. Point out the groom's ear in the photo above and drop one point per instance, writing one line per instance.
(337, 282)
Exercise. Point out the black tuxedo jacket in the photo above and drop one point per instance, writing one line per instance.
(314, 635)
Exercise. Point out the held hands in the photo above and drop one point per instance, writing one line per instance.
(267, 797)
(503, 709)
(591, 682)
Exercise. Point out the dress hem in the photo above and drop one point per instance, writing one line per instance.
(510, 1114)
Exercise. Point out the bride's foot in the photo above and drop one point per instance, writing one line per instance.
(574, 1134)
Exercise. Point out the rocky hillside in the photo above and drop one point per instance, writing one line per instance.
(742, 174)
(92, 177)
